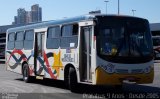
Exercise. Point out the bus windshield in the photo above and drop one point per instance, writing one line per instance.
(124, 38)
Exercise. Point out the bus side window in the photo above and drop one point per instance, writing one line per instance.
(28, 39)
(69, 37)
(11, 41)
(19, 40)
(53, 37)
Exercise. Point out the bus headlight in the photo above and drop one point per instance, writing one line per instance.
(147, 69)
(109, 68)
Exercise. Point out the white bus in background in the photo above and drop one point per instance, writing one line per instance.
(89, 49)
(156, 46)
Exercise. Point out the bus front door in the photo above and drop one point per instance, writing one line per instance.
(39, 48)
(85, 53)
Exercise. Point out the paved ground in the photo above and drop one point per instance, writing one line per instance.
(12, 86)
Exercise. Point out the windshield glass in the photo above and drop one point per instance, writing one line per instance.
(124, 37)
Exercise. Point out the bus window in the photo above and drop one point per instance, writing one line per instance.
(54, 32)
(29, 37)
(11, 40)
(19, 40)
(69, 36)
(67, 31)
(53, 40)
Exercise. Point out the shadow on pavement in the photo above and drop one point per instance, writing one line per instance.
(48, 82)
(127, 88)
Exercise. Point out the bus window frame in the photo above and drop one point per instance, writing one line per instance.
(8, 41)
(26, 40)
(70, 36)
(19, 41)
(53, 38)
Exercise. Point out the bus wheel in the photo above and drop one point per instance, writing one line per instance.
(26, 76)
(72, 80)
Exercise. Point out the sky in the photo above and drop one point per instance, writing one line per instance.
(58, 9)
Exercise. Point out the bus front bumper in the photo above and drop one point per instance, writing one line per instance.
(104, 78)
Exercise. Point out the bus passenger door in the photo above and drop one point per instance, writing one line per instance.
(85, 53)
(39, 48)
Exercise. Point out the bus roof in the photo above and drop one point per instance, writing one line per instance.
(61, 21)
(51, 23)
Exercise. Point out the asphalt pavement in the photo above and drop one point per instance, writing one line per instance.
(13, 87)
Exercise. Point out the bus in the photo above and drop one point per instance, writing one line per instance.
(89, 49)
(156, 46)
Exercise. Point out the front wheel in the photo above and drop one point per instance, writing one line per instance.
(73, 84)
(26, 77)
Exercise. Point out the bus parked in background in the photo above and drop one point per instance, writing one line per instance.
(89, 49)
(156, 46)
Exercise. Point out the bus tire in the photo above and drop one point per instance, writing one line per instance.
(72, 80)
(26, 77)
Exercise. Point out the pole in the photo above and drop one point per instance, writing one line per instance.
(133, 11)
(118, 7)
(106, 5)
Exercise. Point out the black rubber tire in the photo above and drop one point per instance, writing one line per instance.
(72, 81)
(26, 77)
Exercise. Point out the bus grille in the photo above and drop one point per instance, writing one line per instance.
(125, 71)
(135, 71)
(121, 71)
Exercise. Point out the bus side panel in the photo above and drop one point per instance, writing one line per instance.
(13, 62)
(54, 67)
(30, 60)
(48, 61)
(69, 58)
(15, 59)
(57, 59)
(58, 66)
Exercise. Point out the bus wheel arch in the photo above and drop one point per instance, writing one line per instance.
(70, 77)
(66, 72)
(26, 73)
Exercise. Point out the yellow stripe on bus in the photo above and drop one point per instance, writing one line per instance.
(104, 78)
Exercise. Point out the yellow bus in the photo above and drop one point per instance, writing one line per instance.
(90, 49)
